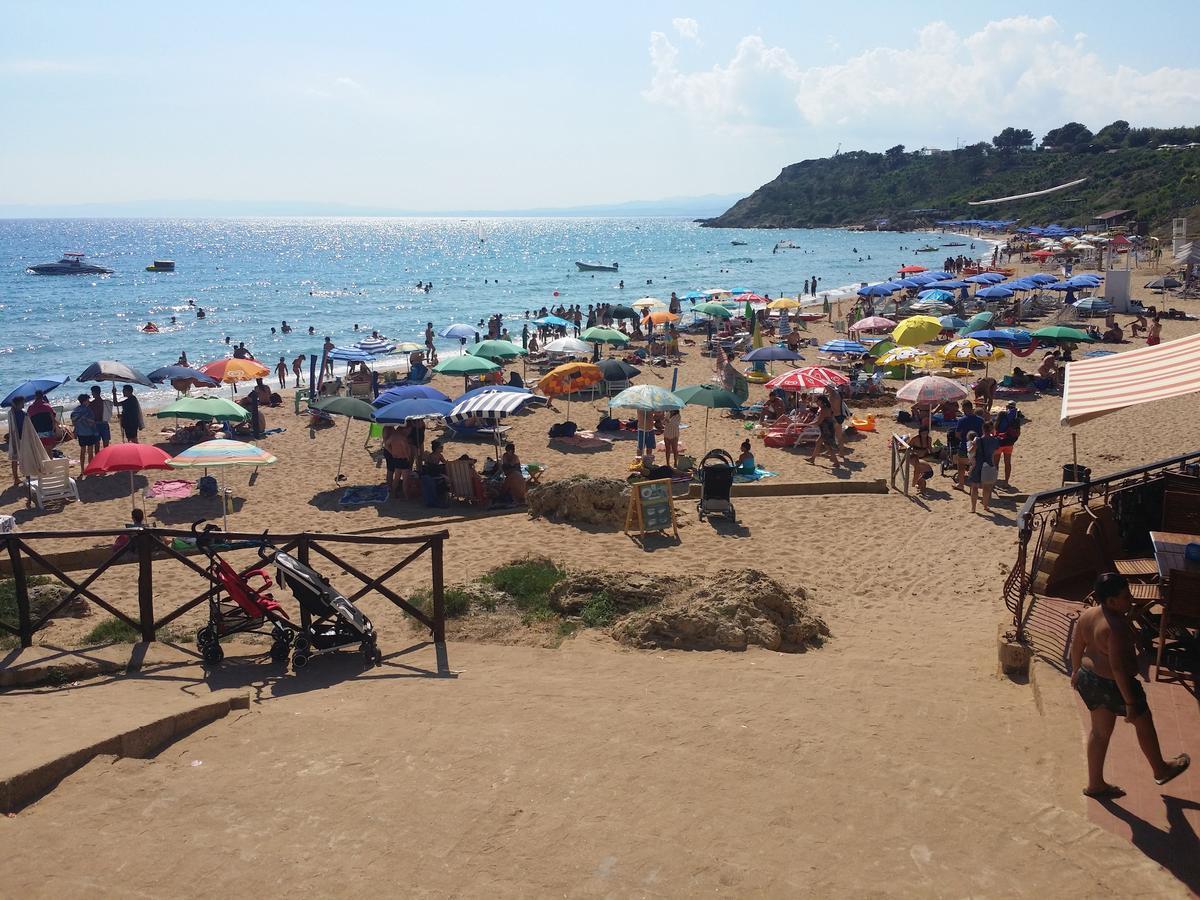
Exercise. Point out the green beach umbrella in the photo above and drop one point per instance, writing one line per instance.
(204, 409)
(710, 396)
(1063, 333)
(714, 309)
(351, 408)
(623, 312)
(466, 365)
(598, 335)
(494, 350)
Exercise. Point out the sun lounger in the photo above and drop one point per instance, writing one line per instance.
(54, 484)
(465, 483)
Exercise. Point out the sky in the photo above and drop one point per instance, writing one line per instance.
(457, 105)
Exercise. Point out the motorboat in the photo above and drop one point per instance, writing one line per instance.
(926, 250)
(956, 244)
(71, 264)
(738, 243)
(161, 265)
(595, 267)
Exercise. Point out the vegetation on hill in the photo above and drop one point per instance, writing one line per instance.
(1150, 170)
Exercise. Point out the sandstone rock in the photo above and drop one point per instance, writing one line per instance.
(483, 597)
(581, 500)
(730, 611)
(626, 592)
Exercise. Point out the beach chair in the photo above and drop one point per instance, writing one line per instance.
(361, 389)
(1178, 626)
(54, 484)
(465, 484)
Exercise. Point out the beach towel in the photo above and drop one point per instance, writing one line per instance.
(171, 489)
(364, 495)
(584, 440)
(759, 475)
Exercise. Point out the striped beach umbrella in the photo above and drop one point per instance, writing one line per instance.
(375, 346)
(840, 345)
(807, 379)
(222, 454)
(931, 390)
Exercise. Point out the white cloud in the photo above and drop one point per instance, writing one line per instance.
(687, 28)
(1018, 71)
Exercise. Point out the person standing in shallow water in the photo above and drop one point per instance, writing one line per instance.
(1104, 672)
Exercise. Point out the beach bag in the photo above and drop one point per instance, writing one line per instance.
(609, 424)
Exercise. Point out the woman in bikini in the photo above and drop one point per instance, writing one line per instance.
(1104, 672)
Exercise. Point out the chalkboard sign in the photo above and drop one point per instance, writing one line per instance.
(651, 507)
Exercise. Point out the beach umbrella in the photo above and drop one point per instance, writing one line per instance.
(646, 398)
(623, 312)
(750, 297)
(375, 346)
(659, 317)
(218, 409)
(784, 303)
(1022, 284)
(984, 278)
(491, 406)
(1063, 334)
(936, 295)
(948, 284)
(458, 331)
(965, 349)
(347, 354)
(709, 396)
(598, 335)
(840, 345)
(916, 330)
(940, 273)
(931, 306)
(807, 379)
(496, 389)
(1166, 283)
(693, 295)
(408, 347)
(219, 454)
(647, 303)
(568, 345)
(910, 269)
(465, 365)
(29, 389)
(716, 310)
(737, 291)
(715, 292)
(909, 357)
(552, 322)
(114, 371)
(878, 290)
(182, 375)
(925, 278)
(771, 354)
(907, 282)
(1093, 305)
(997, 292)
(128, 458)
(414, 408)
(873, 323)
(978, 322)
(617, 370)
(931, 390)
(1003, 337)
(231, 371)
(1043, 278)
(495, 350)
(351, 408)
(407, 392)
(951, 323)
(565, 380)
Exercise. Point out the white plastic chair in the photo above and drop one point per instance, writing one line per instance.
(54, 484)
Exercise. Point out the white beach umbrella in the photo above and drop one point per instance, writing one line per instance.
(568, 345)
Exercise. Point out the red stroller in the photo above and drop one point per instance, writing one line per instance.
(242, 608)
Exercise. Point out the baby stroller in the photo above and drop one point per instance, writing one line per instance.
(336, 622)
(242, 608)
(716, 479)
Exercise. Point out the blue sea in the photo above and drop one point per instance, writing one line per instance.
(331, 273)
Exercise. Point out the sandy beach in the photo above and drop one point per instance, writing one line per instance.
(574, 766)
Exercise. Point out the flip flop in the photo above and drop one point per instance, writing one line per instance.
(1108, 792)
(1180, 765)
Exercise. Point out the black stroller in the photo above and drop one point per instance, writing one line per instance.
(336, 622)
(245, 608)
(716, 480)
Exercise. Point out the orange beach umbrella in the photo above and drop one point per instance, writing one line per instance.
(231, 371)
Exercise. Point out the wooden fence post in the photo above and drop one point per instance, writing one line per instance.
(144, 542)
(439, 597)
(21, 590)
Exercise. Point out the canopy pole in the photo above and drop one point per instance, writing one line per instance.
(342, 455)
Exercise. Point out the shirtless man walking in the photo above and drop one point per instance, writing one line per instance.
(1104, 672)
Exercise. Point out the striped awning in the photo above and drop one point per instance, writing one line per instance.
(1095, 387)
(492, 405)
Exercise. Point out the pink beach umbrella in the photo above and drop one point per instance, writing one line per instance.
(807, 379)
(873, 323)
(931, 390)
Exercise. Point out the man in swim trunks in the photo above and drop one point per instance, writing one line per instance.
(100, 412)
(1104, 672)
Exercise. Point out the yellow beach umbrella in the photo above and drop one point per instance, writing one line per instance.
(907, 356)
(916, 330)
(784, 303)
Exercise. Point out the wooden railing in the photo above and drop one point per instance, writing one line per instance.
(1133, 494)
(146, 546)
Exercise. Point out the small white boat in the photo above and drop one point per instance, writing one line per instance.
(595, 267)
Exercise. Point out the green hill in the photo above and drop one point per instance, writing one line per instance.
(1152, 171)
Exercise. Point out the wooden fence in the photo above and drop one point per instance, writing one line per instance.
(147, 546)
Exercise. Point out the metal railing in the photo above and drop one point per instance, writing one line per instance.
(146, 546)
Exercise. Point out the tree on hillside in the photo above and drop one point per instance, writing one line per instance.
(1112, 136)
(895, 155)
(1011, 139)
(1073, 137)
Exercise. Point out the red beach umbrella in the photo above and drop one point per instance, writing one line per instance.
(807, 379)
(127, 458)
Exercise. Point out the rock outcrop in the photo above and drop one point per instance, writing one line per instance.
(581, 500)
(625, 592)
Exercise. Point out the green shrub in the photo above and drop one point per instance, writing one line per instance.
(528, 582)
(113, 631)
(456, 601)
(8, 606)
(599, 612)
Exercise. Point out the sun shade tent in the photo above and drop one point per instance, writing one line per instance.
(1096, 387)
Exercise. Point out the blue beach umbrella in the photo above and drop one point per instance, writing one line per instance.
(985, 278)
(940, 273)
(350, 354)
(878, 290)
(1022, 284)
(553, 322)
(949, 284)
(843, 346)
(408, 392)
(937, 295)
(27, 390)
(694, 295)
(978, 322)
(1003, 337)
(952, 323)
(1093, 305)
(458, 331)
(997, 292)
(770, 354)
(1043, 278)
(741, 290)
(415, 408)
(924, 279)
(906, 282)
